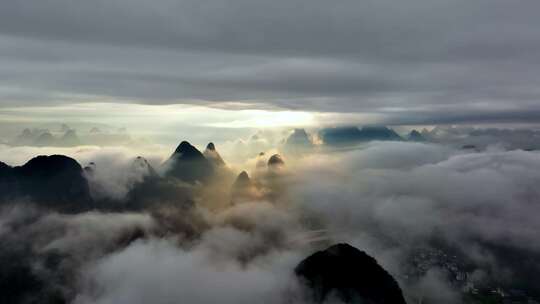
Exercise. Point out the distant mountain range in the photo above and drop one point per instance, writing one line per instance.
(59, 182)
(44, 138)
(300, 141)
(350, 135)
(67, 137)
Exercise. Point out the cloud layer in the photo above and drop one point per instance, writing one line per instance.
(398, 201)
(415, 62)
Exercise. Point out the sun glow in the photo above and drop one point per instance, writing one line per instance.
(267, 119)
(162, 115)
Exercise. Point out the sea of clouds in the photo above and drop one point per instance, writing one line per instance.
(386, 198)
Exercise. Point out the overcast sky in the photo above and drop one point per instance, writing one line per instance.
(406, 62)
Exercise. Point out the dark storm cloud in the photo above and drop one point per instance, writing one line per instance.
(435, 60)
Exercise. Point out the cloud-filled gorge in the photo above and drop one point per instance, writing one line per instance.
(449, 224)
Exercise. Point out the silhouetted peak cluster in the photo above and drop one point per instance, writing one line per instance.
(44, 137)
(188, 164)
(60, 182)
(349, 274)
(266, 182)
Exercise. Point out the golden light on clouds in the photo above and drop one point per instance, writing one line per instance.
(267, 119)
(160, 115)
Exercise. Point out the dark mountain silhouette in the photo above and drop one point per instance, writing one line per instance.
(52, 181)
(349, 274)
(275, 161)
(213, 156)
(416, 136)
(378, 133)
(340, 135)
(352, 135)
(188, 164)
(18, 281)
(4, 169)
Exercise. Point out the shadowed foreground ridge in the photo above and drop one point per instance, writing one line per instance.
(352, 276)
(54, 180)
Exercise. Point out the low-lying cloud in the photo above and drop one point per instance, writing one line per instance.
(398, 201)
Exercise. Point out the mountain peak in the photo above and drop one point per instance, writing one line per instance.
(243, 177)
(242, 189)
(350, 274)
(186, 151)
(213, 156)
(184, 147)
(188, 164)
(242, 181)
(275, 160)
